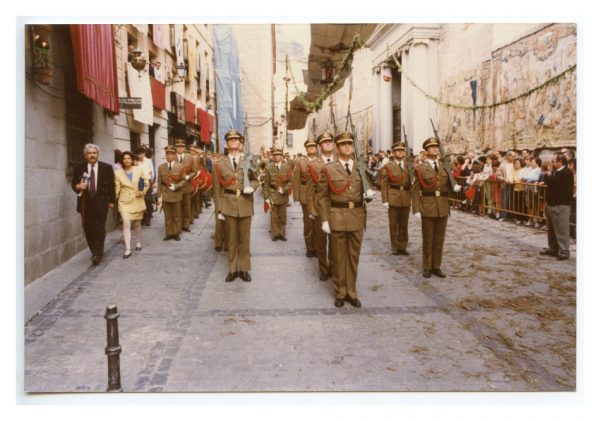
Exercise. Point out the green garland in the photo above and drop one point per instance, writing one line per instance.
(526, 94)
(316, 105)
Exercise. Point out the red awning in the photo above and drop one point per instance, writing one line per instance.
(206, 125)
(158, 94)
(95, 64)
(190, 112)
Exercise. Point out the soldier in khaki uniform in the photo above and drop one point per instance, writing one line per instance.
(430, 203)
(396, 197)
(342, 210)
(170, 180)
(220, 229)
(278, 182)
(235, 204)
(189, 172)
(325, 141)
(301, 179)
(197, 202)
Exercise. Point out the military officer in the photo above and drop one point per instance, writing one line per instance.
(342, 211)
(234, 203)
(325, 142)
(396, 197)
(189, 172)
(170, 182)
(278, 182)
(301, 178)
(220, 229)
(430, 203)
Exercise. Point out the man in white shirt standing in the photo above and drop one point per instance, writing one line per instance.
(148, 171)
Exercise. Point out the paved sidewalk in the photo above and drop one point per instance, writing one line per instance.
(503, 320)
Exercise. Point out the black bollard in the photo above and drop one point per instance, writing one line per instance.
(113, 349)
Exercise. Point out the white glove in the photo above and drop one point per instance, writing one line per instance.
(280, 190)
(159, 201)
(187, 177)
(417, 215)
(310, 216)
(172, 187)
(220, 217)
(325, 227)
(268, 201)
(248, 190)
(386, 205)
(457, 188)
(369, 194)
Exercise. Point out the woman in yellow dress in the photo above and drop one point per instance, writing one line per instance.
(131, 186)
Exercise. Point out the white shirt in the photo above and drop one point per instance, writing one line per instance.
(400, 164)
(326, 159)
(349, 162)
(147, 168)
(237, 161)
(180, 158)
(432, 162)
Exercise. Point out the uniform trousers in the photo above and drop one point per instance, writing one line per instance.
(278, 220)
(324, 252)
(398, 219)
(345, 247)
(309, 226)
(172, 211)
(434, 232)
(186, 210)
(238, 242)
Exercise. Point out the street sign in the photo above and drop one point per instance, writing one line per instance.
(130, 102)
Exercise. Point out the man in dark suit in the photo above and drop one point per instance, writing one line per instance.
(94, 181)
(560, 183)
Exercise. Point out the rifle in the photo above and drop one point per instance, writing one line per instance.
(246, 164)
(361, 167)
(410, 160)
(445, 158)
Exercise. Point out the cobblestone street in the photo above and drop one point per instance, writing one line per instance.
(503, 319)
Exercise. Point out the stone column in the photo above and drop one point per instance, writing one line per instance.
(419, 107)
(404, 100)
(386, 112)
(376, 118)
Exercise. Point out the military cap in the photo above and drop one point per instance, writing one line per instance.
(324, 136)
(180, 142)
(398, 146)
(233, 134)
(310, 142)
(170, 148)
(277, 151)
(432, 141)
(344, 137)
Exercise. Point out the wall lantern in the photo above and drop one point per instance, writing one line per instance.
(138, 61)
(327, 71)
(181, 73)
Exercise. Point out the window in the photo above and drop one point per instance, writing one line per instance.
(134, 140)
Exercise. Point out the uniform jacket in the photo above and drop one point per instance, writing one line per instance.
(427, 182)
(166, 178)
(105, 185)
(301, 181)
(189, 168)
(276, 178)
(228, 189)
(337, 187)
(314, 169)
(395, 185)
(125, 190)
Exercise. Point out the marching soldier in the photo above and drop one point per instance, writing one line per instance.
(325, 141)
(220, 229)
(301, 179)
(396, 197)
(189, 172)
(170, 181)
(234, 203)
(278, 182)
(342, 211)
(430, 203)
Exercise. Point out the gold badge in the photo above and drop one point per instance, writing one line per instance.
(350, 205)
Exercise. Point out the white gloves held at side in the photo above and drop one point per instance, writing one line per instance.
(369, 194)
(280, 190)
(417, 215)
(220, 217)
(325, 227)
(457, 188)
(172, 187)
(386, 205)
(248, 190)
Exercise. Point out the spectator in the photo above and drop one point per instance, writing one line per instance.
(506, 176)
(496, 188)
(130, 51)
(573, 218)
(117, 159)
(149, 174)
(486, 190)
(518, 205)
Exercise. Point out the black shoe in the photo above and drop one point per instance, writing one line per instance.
(339, 302)
(562, 256)
(167, 238)
(186, 229)
(126, 255)
(275, 238)
(138, 248)
(404, 253)
(245, 276)
(323, 276)
(396, 253)
(426, 274)
(282, 238)
(196, 216)
(438, 272)
(309, 254)
(177, 237)
(96, 260)
(549, 252)
(218, 248)
(354, 302)
(231, 276)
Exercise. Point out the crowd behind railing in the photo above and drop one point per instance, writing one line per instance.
(503, 186)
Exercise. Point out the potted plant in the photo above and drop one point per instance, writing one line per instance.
(42, 55)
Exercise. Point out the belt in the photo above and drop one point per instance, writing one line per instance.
(434, 193)
(229, 191)
(347, 205)
(304, 182)
(396, 186)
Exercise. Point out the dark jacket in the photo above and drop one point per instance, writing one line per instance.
(105, 185)
(560, 187)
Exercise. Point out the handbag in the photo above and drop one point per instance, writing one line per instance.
(141, 184)
(470, 193)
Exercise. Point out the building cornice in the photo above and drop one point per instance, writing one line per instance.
(390, 38)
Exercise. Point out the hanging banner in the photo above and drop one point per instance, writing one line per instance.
(139, 86)
(179, 44)
(159, 34)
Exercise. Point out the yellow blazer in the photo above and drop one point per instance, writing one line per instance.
(125, 190)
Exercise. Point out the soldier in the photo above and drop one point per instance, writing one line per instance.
(189, 172)
(325, 141)
(395, 195)
(170, 181)
(430, 203)
(278, 182)
(342, 212)
(234, 204)
(220, 229)
(301, 179)
(197, 202)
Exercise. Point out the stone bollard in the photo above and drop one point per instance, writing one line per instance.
(113, 349)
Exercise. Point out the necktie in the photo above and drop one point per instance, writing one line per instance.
(180, 159)
(92, 181)
(170, 166)
(328, 160)
(435, 167)
(348, 168)
(234, 164)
